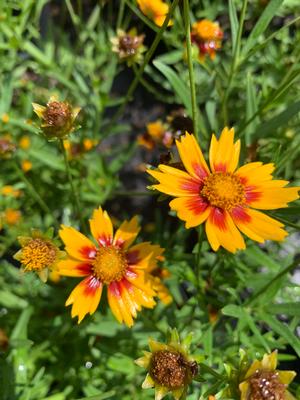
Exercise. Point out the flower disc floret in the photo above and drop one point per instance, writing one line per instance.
(38, 254)
(109, 264)
(223, 190)
(266, 385)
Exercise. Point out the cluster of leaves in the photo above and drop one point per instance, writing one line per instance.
(248, 299)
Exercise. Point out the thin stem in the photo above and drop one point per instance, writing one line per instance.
(234, 62)
(32, 190)
(187, 24)
(120, 14)
(147, 58)
(70, 179)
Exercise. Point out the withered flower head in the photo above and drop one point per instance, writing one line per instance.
(57, 118)
(170, 366)
(129, 46)
(7, 147)
(263, 381)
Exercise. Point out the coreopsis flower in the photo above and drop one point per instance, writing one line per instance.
(156, 10)
(129, 46)
(113, 262)
(24, 142)
(157, 134)
(26, 165)
(156, 275)
(5, 118)
(57, 118)
(264, 382)
(7, 147)
(39, 253)
(11, 216)
(9, 190)
(170, 367)
(207, 35)
(225, 197)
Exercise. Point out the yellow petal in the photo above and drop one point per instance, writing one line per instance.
(148, 382)
(144, 361)
(157, 346)
(160, 392)
(144, 255)
(127, 233)
(38, 109)
(271, 198)
(244, 387)
(70, 267)
(286, 377)
(101, 227)
(224, 153)
(192, 157)
(269, 361)
(192, 210)
(77, 245)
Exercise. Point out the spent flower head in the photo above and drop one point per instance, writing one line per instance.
(129, 46)
(170, 366)
(7, 147)
(57, 118)
(39, 253)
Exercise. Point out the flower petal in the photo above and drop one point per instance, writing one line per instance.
(286, 377)
(224, 153)
(192, 157)
(160, 392)
(77, 245)
(144, 255)
(255, 173)
(271, 198)
(259, 226)
(118, 306)
(193, 210)
(70, 267)
(175, 182)
(221, 231)
(148, 382)
(85, 297)
(127, 233)
(101, 227)
(269, 361)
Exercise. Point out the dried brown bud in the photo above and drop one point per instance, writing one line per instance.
(266, 385)
(171, 369)
(7, 148)
(57, 114)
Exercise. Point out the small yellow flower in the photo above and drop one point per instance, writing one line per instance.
(263, 381)
(58, 118)
(224, 197)
(11, 216)
(5, 118)
(38, 253)
(24, 142)
(157, 134)
(156, 10)
(170, 367)
(109, 261)
(207, 35)
(89, 144)
(26, 165)
(8, 190)
(128, 46)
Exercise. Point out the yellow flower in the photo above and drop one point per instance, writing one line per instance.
(156, 10)
(11, 216)
(5, 118)
(170, 367)
(38, 253)
(207, 35)
(58, 118)
(263, 381)
(128, 46)
(24, 142)
(224, 197)
(114, 263)
(8, 190)
(26, 165)
(89, 144)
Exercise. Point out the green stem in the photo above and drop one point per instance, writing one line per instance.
(120, 14)
(234, 62)
(187, 24)
(286, 222)
(147, 58)
(32, 190)
(70, 179)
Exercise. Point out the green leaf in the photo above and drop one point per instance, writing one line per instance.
(292, 309)
(283, 330)
(262, 24)
(251, 109)
(231, 310)
(234, 23)
(179, 87)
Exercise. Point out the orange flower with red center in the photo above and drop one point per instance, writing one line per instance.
(207, 35)
(156, 10)
(224, 197)
(113, 263)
